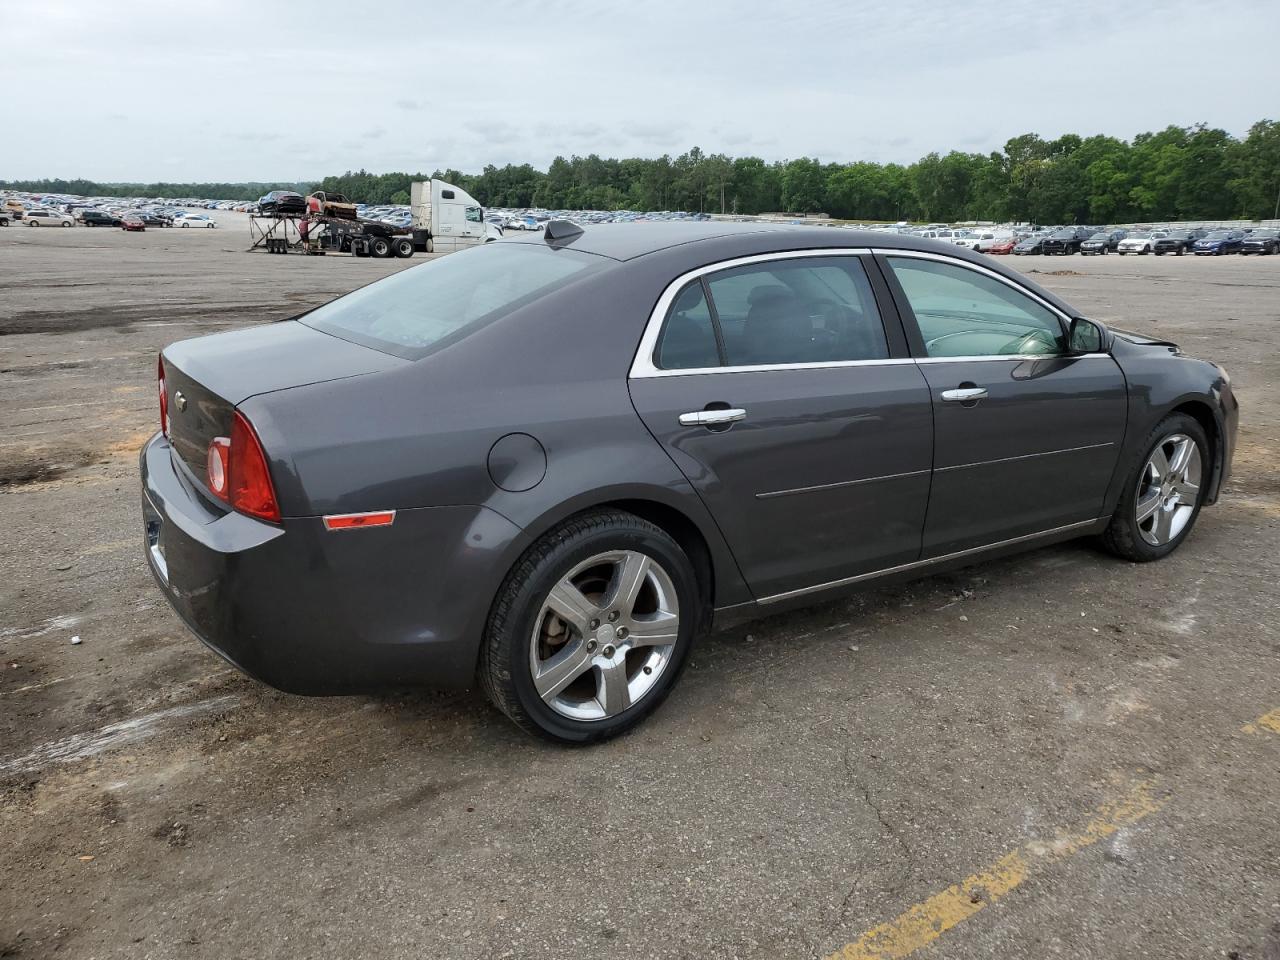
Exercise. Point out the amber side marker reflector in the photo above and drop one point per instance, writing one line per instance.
(358, 521)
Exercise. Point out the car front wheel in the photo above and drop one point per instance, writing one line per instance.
(591, 629)
(1163, 493)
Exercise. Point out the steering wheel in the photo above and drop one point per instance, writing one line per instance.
(1033, 343)
(840, 321)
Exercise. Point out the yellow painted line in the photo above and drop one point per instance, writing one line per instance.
(1268, 721)
(928, 920)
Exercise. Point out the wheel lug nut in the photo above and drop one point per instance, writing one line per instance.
(622, 633)
(591, 645)
(613, 616)
(648, 670)
(608, 651)
(595, 624)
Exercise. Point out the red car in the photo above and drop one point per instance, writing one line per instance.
(131, 221)
(1003, 246)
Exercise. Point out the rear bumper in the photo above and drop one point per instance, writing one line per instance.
(308, 611)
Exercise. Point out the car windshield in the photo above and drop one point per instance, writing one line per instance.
(1218, 235)
(1264, 234)
(1064, 235)
(1139, 236)
(427, 307)
(1100, 236)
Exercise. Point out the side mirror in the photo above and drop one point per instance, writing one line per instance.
(1087, 336)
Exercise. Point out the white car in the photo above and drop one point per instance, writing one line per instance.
(973, 239)
(44, 217)
(1140, 243)
(193, 220)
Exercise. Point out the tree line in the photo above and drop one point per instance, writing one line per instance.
(170, 191)
(1179, 173)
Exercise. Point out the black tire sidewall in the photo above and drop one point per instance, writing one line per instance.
(526, 604)
(1129, 536)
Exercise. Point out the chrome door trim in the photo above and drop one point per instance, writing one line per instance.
(841, 483)
(711, 418)
(643, 365)
(1025, 456)
(917, 564)
(964, 394)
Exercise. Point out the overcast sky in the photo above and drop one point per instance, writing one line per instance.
(213, 90)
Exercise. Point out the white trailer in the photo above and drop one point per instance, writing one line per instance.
(445, 218)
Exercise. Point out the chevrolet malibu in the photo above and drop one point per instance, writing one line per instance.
(550, 463)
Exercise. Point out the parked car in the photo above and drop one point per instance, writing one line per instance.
(1065, 241)
(344, 502)
(282, 202)
(1176, 242)
(98, 218)
(1218, 242)
(194, 220)
(1261, 241)
(44, 217)
(1140, 243)
(1001, 246)
(132, 222)
(153, 219)
(1099, 243)
(1029, 245)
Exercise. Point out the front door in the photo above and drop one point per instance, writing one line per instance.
(1026, 438)
(774, 388)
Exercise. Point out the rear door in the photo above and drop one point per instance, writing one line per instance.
(1026, 438)
(792, 407)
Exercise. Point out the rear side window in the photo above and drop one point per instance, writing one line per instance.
(780, 312)
(429, 306)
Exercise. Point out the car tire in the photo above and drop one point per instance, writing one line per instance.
(66, 223)
(185, 225)
(380, 247)
(522, 626)
(32, 223)
(403, 248)
(1143, 539)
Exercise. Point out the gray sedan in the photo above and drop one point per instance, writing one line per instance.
(549, 463)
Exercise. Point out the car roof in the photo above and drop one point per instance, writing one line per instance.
(626, 241)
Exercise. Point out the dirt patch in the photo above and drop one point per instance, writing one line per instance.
(21, 468)
(117, 317)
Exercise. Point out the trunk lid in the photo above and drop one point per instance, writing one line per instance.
(206, 378)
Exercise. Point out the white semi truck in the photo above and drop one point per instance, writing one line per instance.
(444, 218)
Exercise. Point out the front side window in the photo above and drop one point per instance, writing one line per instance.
(964, 313)
(473, 214)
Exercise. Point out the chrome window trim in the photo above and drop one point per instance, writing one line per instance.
(915, 564)
(643, 366)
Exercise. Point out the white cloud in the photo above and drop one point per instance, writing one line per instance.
(497, 81)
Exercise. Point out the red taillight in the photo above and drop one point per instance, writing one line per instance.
(218, 468)
(236, 471)
(164, 397)
(251, 491)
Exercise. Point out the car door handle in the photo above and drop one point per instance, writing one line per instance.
(711, 418)
(965, 394)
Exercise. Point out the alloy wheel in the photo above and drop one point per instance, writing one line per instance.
(605, 633)
(1168, 489)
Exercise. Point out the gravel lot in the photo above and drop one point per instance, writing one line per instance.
(1057, 754)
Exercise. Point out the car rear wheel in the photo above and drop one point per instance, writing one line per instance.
(32, 223)
(185, 225)
(1163, 492)
(591, 629)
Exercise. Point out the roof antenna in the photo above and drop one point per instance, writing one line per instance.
(560, 230)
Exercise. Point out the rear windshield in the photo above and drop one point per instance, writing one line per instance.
(427, 307)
